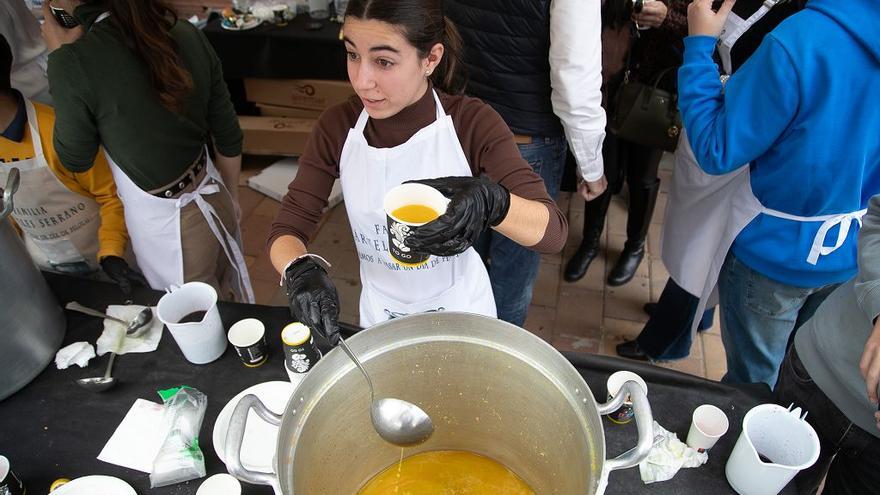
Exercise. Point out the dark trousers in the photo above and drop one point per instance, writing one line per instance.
(850, 457)
(667, 334)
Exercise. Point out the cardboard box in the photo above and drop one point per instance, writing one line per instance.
(275, 135)
(312, 94)
(279, 111)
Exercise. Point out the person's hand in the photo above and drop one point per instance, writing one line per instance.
(652, 15)
(870, 366)
(120, 272)
(312, 298)
(476, 204)
(703, 21)
(55, 34)
(592, 190)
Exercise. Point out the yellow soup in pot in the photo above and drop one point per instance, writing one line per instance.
(415, 214)
(446, 472)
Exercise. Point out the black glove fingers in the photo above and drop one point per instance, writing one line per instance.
(137, 278)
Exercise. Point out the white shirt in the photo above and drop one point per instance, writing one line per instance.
(576, 80)
(22, 31)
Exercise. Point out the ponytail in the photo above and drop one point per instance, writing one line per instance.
(450, 73)
(423, 25)
(145, 27)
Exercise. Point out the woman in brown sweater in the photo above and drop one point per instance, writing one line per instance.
(408, 122)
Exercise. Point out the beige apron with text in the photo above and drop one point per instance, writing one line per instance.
(60, 226)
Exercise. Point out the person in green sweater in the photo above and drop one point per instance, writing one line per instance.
(150, 89)
(833, 372)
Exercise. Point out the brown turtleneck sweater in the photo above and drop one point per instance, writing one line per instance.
(486, 140)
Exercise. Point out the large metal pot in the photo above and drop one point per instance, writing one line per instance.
(490, 387)
(31, 322)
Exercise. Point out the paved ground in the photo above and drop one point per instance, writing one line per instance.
(585, 316)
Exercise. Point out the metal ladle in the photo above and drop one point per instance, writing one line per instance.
(396, 421)
(133, 328)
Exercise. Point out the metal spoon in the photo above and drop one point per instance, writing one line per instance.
(100, 383)
(396, 421)
(133, 328)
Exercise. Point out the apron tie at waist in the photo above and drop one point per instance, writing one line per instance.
(227, 240)
(844, 220)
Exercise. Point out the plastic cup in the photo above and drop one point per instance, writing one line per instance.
(625, 413)
(399, 229)
(319, 9)
(190, 313)
(708, 424)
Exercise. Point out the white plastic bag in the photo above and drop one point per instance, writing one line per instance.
(180, 458)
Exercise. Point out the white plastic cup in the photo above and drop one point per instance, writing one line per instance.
(398, 229)
(220, 484)
(200, 341)
(787, 443)
(319, 9)
(708, 424)
(625, 413)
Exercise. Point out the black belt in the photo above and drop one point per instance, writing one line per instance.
(185, 180)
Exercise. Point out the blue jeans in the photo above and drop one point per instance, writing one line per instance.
(758, 316)
(514, 268)
(667, 334)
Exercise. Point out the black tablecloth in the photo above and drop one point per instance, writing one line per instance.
(271, 51)
(52, 428)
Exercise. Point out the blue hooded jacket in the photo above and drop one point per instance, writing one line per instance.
(803, 111)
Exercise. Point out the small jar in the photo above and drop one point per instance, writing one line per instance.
(300, 351)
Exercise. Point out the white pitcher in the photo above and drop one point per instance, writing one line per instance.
(787, 443)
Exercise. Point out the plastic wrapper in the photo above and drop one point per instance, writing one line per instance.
(180, 458)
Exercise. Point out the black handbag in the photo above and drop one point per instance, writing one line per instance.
(646, 115)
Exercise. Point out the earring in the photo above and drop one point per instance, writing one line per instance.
(428, 72)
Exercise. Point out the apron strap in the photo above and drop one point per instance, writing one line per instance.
(729, 39)
(844, 220)
(36, 139)
(227, 241)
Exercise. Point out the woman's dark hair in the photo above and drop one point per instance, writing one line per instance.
(5, 65)
(145, 27)
(423, 25)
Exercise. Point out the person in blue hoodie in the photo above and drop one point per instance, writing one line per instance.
(787, 154)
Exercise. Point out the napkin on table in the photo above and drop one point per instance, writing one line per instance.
(78, 353)
(667, 456)
(137, 439)
(114, 339)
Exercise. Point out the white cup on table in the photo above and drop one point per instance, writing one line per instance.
(708, 424)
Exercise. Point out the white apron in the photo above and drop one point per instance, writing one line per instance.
(154, 228)
(60, 226)
(706, 213)
(457, 283)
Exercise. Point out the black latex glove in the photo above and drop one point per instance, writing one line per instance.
(476, 204)
(125, 277)
(312, 298)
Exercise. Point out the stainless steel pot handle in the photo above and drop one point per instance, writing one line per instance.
(644, 423)
(235, 437)
(11, 187)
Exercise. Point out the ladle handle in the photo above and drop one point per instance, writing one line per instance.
(358, 364)
(235, 437)
(110, 364)
(75, 306)
(644, 424)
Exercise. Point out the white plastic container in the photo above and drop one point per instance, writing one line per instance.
(787, 443)
(200, 341)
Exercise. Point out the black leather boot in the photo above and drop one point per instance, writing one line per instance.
(641, 207)
(594, 222)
